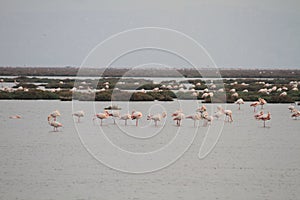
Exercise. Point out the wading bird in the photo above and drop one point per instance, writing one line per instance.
(254, 105)
(195, 117)
(125, 117)
(78, 114)
(135, 115)
(101, 116)
(239, 102)
(265, 117)
(55, 125)
(157, 117)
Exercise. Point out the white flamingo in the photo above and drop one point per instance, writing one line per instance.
(125, 117)
(239, 102)
(115, 114)
(78, 114)
(195, 117)
(101, 116)
(136, 115)
(157, 117)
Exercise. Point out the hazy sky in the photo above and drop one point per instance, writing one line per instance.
(235, 33)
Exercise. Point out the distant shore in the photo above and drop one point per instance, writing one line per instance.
(180, 72)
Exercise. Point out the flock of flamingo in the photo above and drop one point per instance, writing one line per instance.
(178, 116)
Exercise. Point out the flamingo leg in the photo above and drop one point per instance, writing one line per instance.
(239, 106)
(101, 123)
(137, 122)
(125, 122)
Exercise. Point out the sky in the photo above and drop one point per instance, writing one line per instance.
(236, 33)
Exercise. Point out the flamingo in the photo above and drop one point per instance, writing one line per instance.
(265, 117)
(101, 116)
(157, 117)
(262, 102)
(114, 115)
(207, 119)
(55, 125)
(180, 116)
(78, 114)
(15, 117)
(291, 108)
(254, 104)
(135, 115)
(125, 117)
(257, 115)
(228, 114)
(296, 114)
(53, 115)
(239, 102)
(201, 109)
(194, 117)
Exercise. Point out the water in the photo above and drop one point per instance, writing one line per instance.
(248, 162)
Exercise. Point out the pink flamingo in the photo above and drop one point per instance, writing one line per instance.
(101, 116)
(195, 117)
(53, 115)
(125, 117)
(258, 115)
(265, 117)
(207, 119)
(55, 125)
(228, 114)
(296, 114)
(262, 102)
(201, 109)
(157, 117)
(135, 115)
(254, 105)
(15, 117)
(78, 114)
(178, 118)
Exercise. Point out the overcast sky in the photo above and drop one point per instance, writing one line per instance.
(236, 33)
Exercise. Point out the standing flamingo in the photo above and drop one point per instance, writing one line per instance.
(157, 117)
(53, 115)
(78, 114)
(195, 117)
(262, 102)
(207, 119)
(55, 125)
(101, 116)
(125, 117)
(254, 105)
(265, 117)
(115, 114)
(228, 115)
(180, 116)
(239, 102)
(135, 115)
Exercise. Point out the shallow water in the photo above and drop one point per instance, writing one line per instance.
(248, 162)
